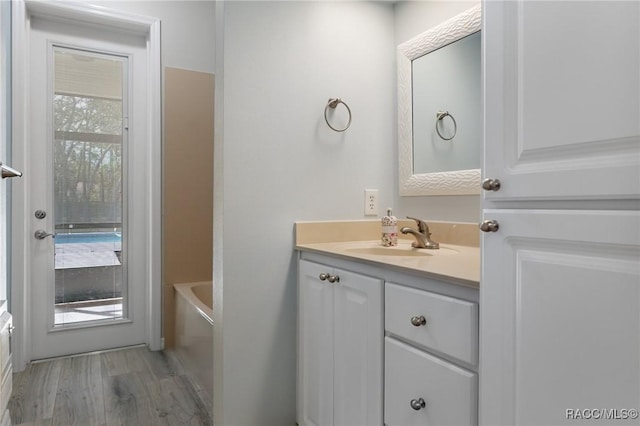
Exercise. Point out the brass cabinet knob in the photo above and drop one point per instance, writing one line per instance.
(491, 184)
(327, 277)
(489, 226)
(418, 321)
(418, 404)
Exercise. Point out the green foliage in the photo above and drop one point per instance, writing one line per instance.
(87, 115)
(87, 159)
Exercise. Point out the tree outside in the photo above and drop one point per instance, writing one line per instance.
(87, 161)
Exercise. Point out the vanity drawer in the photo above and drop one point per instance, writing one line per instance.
(450, 325)
(449, 392)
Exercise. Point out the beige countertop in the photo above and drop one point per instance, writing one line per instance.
(457, 260)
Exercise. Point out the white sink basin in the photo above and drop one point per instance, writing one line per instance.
(401, 251)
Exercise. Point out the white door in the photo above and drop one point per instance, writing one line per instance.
(560, 306)
(562, 96)
(86, 193)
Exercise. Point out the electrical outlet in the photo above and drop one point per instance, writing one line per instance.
(371, 202)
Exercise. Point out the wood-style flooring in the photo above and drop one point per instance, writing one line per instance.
(126, 387)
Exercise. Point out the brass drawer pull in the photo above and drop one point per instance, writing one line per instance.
(418, 321)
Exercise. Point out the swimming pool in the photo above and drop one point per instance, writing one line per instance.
(88, 237)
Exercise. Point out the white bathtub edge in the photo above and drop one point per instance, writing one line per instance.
(184, 289)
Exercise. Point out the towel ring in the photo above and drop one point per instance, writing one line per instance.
(333, 103)
(440, 115)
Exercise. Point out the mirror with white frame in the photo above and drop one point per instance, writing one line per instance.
(447, 136)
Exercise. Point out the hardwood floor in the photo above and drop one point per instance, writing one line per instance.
(126, 387)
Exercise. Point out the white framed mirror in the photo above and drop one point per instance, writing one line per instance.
(455, 174)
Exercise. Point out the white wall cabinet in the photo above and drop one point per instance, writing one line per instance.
(562, 99)
(560, 317)
(340, 347)
(560, 288)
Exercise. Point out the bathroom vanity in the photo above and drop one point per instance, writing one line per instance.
(387, 334)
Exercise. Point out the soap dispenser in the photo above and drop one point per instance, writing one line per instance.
(389, 230)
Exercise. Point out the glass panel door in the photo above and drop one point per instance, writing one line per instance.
(89, 137)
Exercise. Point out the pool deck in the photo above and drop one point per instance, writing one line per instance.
(106, 309)
(86, 255)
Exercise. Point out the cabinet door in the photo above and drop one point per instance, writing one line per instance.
(449, 392)
(358, 351)
(560, 317)
(562, 99)
(315, 346)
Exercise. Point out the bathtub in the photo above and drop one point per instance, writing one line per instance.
(194, 332)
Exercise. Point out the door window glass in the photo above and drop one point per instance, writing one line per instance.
(88, 140)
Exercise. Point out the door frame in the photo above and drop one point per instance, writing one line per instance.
(117, 21)
(5, 154)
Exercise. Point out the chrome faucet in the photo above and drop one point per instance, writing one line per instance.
(422, 235)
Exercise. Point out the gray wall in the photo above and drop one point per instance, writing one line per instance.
(188, 29)
(281, 163)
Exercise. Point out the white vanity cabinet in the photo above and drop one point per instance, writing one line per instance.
(431, 352)
(560, 292)
(340, 347)
(428, 330)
